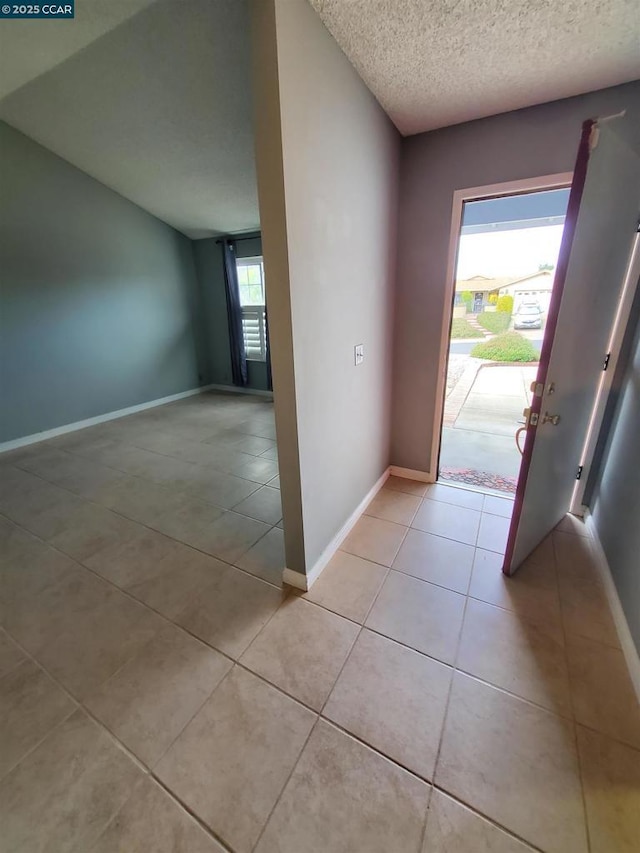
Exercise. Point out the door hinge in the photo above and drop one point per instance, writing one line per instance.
(579, 472)
(605, 363)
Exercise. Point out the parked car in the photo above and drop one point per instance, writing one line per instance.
(528, 316)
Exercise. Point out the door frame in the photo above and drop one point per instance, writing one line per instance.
(616, 338)
(556, 181)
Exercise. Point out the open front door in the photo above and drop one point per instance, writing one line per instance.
(601, 222)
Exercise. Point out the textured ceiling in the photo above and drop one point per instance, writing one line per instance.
(433, 63)
(158, 109)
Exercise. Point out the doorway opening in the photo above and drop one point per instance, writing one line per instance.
(505, 249)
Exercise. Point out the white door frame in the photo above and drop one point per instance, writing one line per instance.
(616, 339)
(544, 182)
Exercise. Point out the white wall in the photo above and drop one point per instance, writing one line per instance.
(328, 214)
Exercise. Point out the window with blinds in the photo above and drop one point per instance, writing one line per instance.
(251, 287)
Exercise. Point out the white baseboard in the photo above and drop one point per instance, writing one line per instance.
(235, 389)
(410, 474)
(99, 419)
(306, 581)
(629, 650)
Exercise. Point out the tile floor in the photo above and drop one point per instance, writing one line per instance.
(161, 692)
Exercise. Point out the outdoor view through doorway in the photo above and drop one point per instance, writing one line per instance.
(507, 252)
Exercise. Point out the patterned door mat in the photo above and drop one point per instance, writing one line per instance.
(480, 479)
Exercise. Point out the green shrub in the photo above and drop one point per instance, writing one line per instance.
(460, 328)
(493, 298)
(505, 304)
(510, 346)
(494, 322)
(467, 297)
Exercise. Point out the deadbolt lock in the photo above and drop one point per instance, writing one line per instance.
(530, 418)
(554, 420)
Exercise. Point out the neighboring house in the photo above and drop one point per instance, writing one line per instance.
(536, 286)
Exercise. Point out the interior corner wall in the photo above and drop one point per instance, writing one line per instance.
(99, 299)
(210, 269)
(527, 143)
(340, 159)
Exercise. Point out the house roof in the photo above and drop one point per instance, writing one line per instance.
(482, 282)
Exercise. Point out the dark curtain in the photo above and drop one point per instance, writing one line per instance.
(234, 314)
(268, 349)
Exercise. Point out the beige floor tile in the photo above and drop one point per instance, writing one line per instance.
(221, 489)
(453, 828)
(611, 779)
(603, 695)
(418, 614)
(157, 570)
(531, 592)
(140, 499)
(436, 559)
(62, 795)
(91, 529)
(10, 654)
(394, 506)
(514, 763)
(231, 610)
(153, 821)
(394, 699)
(307, 668)
(574, 557)
(44, 509)
(403, 484)
(585, 610)
(79, 475)
(264, 505)
(506, 650)
(457, 497)
(275, 483)
(452, 522)
(498, 506)
(191, 523)
(83, 630)
(253, 444)
(31, 704)
(232, 761)
(493, 532)
(266, 558)
(348, 586)
(148, 702)
(28, 568)
(573, 524)
(375, 539)
(343, 797)
(258, 470)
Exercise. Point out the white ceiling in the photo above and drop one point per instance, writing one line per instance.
(157, 108)
(433, 63)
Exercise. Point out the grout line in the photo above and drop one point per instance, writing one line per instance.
(571, 699)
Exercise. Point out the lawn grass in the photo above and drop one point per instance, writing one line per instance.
(460, 328)
(495, 321)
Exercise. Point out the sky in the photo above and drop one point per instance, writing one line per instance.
(508, 253)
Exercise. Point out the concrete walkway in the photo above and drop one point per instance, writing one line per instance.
(482, 434)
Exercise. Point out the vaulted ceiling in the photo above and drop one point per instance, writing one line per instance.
(155, 104)
(433, 63)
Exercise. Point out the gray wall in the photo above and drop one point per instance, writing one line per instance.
(330, 271)
(99, 304)
(209, 266)
(527, 143)
(615, 503)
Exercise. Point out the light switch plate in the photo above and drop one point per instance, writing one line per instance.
(358, 353)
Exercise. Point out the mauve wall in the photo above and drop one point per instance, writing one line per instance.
(527, 143)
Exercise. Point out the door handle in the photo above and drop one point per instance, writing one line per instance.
(554, 420)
